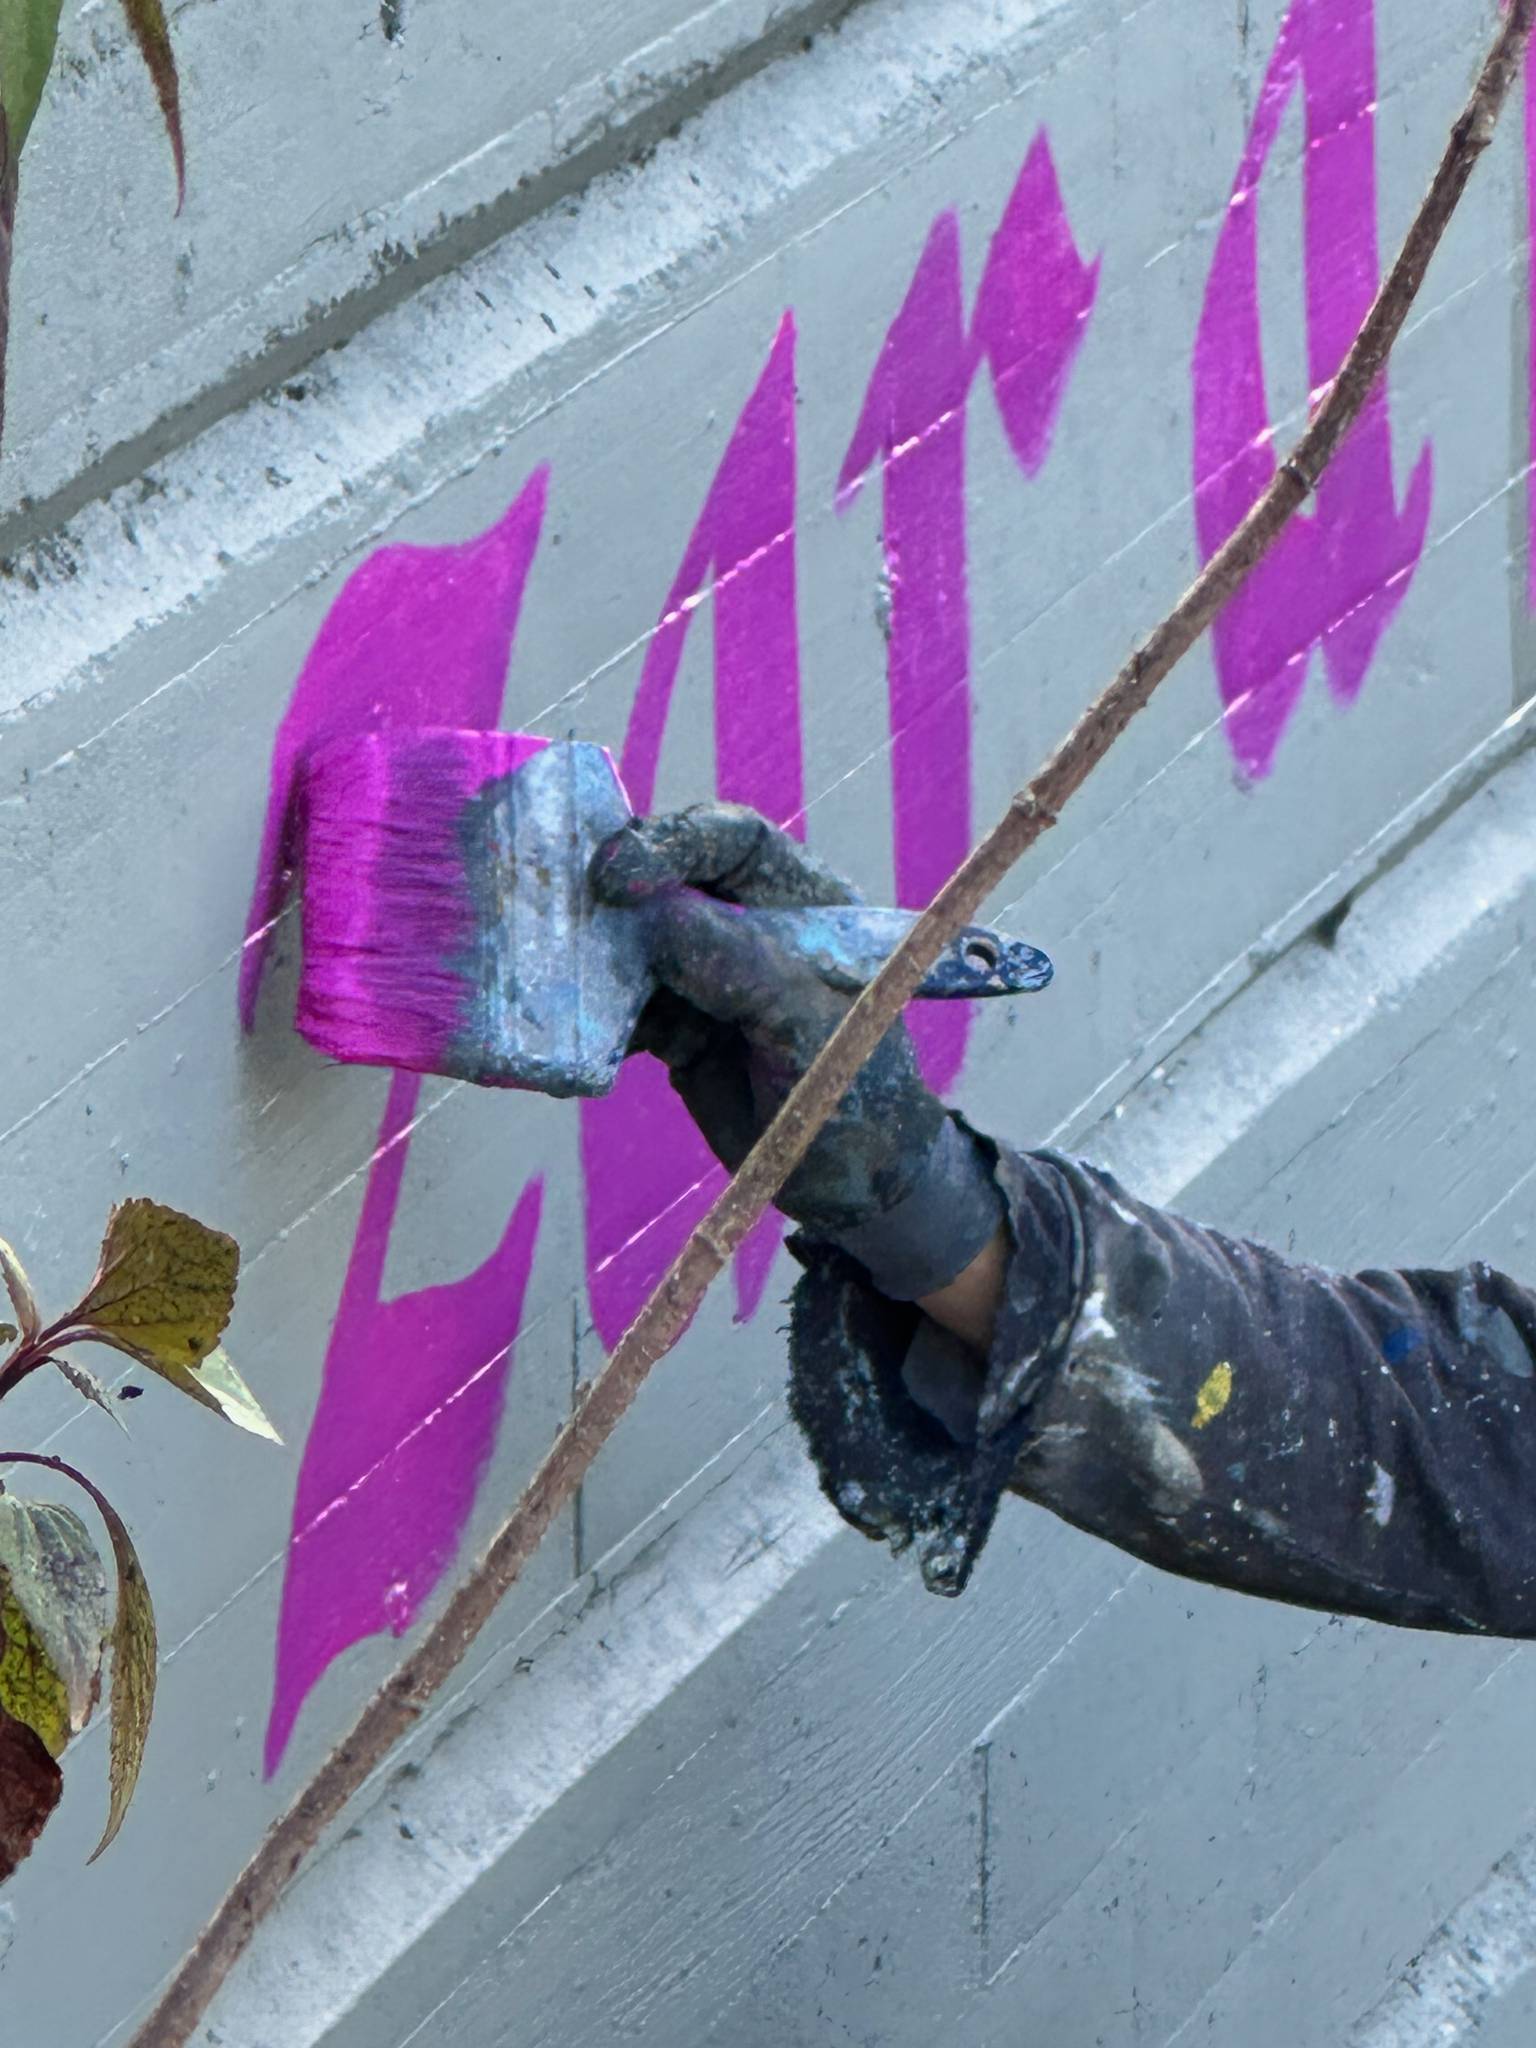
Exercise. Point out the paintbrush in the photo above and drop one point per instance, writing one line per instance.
(450, 926)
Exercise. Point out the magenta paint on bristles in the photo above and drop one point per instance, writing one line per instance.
(394, 932)
(451, 925)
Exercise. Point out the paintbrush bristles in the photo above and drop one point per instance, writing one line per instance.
(392, 939)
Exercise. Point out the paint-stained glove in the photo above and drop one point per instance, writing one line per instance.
(892, 1178)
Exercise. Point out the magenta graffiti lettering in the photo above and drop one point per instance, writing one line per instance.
(1530, 288)
(649, 1176)
(412, 1387)
(1031, 314)
(1340, 571)
(417, 636)
(409, 1403)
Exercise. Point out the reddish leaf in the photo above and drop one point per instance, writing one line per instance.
(147, 20)
(30, 1784)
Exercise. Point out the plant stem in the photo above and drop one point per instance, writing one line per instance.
(393, 1710)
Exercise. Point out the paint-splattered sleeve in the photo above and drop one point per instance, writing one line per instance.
(1364, 1443)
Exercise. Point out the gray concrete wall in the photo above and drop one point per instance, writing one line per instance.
(719, 1770)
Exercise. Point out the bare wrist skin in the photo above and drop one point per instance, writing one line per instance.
(968, 1304)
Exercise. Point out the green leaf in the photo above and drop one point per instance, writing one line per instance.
(133, 1672)
(52, 1577)
(133, 1650)
(163, 1291)
(28, 31)
(147, 20)
(17, 1285)
(31, 1690)
(30, 1784)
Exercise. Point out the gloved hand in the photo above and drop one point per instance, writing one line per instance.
(891, 1178)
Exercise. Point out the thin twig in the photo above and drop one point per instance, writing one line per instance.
(392, 1711)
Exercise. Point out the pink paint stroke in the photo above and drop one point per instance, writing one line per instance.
(648, 1174)
(408, 1411)
(1530, 288)
(1339, 572)
(1031, 315)
(412, 1389)
(417, 636)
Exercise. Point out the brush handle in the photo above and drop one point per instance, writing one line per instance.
(847, 944)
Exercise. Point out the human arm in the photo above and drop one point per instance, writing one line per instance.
(1363, 1443)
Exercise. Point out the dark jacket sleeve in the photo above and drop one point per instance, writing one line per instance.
(1364, 1443)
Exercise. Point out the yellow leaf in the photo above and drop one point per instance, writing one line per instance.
(163, 1291)
(1215, 1392)
(217, 1376)
(31, 1690)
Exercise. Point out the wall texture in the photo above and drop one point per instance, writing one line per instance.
(811, 402)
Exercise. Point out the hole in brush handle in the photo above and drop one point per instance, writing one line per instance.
(847, 944)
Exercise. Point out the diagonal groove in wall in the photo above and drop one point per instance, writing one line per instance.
(1365, 911)
(1318, 1863)
(624, 142)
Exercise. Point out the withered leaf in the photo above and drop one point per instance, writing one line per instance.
(30, 1784)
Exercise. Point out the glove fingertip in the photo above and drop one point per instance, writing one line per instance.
(634, 863)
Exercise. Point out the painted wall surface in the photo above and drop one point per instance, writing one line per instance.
(829, 457)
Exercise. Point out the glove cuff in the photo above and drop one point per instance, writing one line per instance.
(951, 1213)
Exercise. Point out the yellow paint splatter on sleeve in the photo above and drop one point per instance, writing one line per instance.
(1215, 1392)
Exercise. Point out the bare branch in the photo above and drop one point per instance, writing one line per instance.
(391, 1712)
